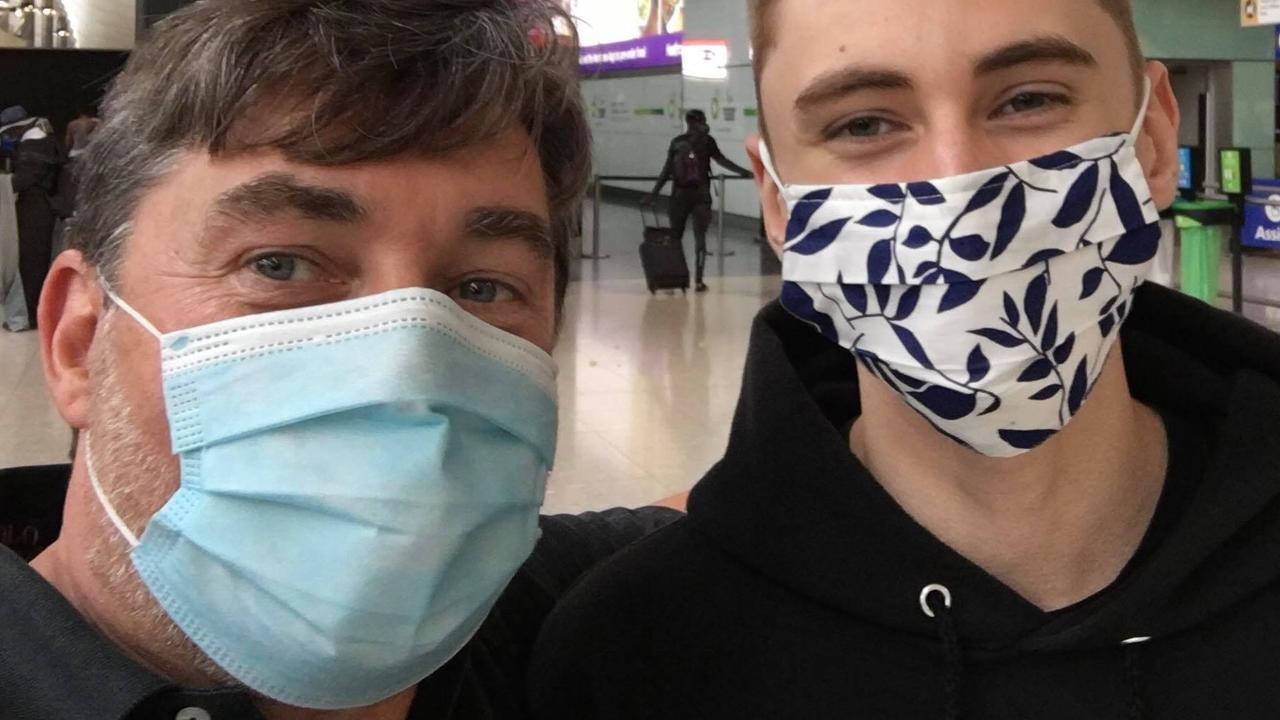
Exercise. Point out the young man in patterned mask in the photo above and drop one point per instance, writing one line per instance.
(1041, 489)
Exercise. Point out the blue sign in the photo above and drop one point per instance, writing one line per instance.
(1186, 171)
(1262, 223)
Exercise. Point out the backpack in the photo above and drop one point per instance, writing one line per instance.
(687, 166)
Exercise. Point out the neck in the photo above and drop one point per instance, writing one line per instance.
(1057, 524)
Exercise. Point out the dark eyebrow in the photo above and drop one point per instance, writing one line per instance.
(279, 193)
(1048, 48)
(496, 223)
(846, 81)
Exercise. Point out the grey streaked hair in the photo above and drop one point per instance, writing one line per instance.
(332, 82)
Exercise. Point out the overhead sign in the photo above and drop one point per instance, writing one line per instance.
(638, 54)
(706, 60)
(627, 34)
(1259, 12)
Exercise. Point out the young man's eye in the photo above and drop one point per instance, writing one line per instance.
(1028, 102)
(481, 290)
(867, 127)
(282, 267)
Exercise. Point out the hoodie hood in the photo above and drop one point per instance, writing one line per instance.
(788, 473)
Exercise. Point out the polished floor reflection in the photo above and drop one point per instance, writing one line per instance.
(648, 383)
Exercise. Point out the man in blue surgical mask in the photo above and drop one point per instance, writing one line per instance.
(979, 468)
(304, 334)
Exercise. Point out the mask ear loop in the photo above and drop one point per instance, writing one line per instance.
(1142, 112)
(137, 316)
(767, 160)
(107, 507)
(98, 491)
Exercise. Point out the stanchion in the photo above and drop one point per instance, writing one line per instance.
(720, 221)
(595, 224)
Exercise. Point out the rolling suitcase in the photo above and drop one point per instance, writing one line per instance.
(662, 256)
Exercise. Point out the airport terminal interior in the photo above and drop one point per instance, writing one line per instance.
(953, 396)
(648, 381)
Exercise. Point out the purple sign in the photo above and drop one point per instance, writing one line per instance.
(644, 52)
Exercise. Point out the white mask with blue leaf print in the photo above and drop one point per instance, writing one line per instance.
(988, 301)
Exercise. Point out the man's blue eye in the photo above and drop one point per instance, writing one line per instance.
(276, 267)
(481, 291)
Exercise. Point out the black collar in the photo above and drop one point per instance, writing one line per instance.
(58, 667)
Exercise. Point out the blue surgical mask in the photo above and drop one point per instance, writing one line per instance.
(990, 301)
(359, 482)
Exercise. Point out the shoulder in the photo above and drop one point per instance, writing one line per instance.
(633, 637)
(486, 679)
(617, 601)
(570, 546)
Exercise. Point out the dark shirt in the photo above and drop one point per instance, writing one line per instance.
(35, 167)
(706, 149)
(55, 666)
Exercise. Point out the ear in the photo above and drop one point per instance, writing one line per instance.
(771, 202)
(70, 307)
(1158, 145)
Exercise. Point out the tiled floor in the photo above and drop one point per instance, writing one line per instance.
(647, 385)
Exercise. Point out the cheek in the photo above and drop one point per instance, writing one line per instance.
(129, 410)
(543, 328)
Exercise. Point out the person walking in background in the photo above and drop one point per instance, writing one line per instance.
(688, 166)
(36, 163)
(80, 130)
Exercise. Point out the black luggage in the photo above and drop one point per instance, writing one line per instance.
(662, 256)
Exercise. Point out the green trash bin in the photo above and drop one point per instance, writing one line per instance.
(1203, 228)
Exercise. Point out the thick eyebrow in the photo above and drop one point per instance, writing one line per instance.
(496, 223)
(275, 194)
(849, 80)
(846, 81)
(1047, 48)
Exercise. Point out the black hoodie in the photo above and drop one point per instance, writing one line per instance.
(793, 588)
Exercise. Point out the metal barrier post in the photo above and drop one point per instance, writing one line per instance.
(595, 223)
(720, 230)
(1237, 264)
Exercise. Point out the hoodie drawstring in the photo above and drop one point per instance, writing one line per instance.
(1133, 677)
(940, 612)
(935, 602)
